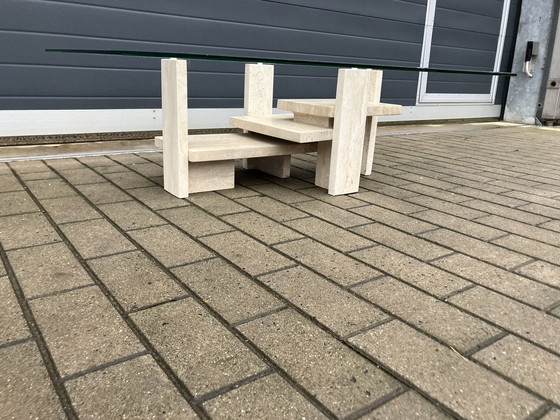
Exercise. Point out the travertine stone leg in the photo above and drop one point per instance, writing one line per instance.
(274, 165)
(175, 140)
(348, 131)
(211, 176)
(371, 127)
(323, 167)
(259, 85)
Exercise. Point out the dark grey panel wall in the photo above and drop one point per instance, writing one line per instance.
(465, 36)
(373, 31)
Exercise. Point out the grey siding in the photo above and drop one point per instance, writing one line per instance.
(376, 32)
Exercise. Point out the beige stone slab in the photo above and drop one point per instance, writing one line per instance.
(12, 324)
(284, 127)
(206, 147)
(326, 107)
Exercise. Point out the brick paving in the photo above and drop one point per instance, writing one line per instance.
(434, 292)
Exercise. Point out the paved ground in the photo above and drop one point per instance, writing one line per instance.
(432, 293)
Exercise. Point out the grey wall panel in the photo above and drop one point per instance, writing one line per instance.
(384, 32)
(388, 32)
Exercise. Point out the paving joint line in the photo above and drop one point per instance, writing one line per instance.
(230, 387)
(61, 292)
(102, 366)
(259, 316)
(368, 328)
(155, 305)
(174, 267)
(288, 241)
(390, 396)
(486, 343)
(16, 342)
(115, 254)
(362, 282)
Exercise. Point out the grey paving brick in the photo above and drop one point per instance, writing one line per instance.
(526, 364)
(402, 242)
(500, 280)
(49, 188)
(454, 223)
(95, 161)
(170, 246)
(337, 376)
(281, 402)
(27, 392)
(513, 316)
(9, 183)
(82, 176)
(2, 269)
(27, 166)
(12, 324)
(424, 180)
(23, 230)
(102, 193)
(458, 210)
(393, 219)
(277, 192)
(16, 202)
(452, 196)
(271, 208)
(444, 374)
(38, 175)
(332, 264)
(69, 209)
(195, 221)
(215, 203)
(496, 209)
(130, 215)
(152, 156)
(128, 180)
(409, 405)
(148, 169)
(135, 281)
(205, 355)
(4, 169)
(261, 227)
(412, 271)
(239, 192)
(248, 254)
(391, 203)
(136, 388)
(542, 271)
(460, 330)
(336, 308)
(552, 213)
(476, 248)
(331, 235)
(62, 164)
(343, 201)
(531, 198)
(83, 330)
(492, 197)
(96, 238)
(228, 291)
(128, 158)
(518, 186)
(531, 247)
(47, 269)
(112, 169)
(330, 213)
(157, 198)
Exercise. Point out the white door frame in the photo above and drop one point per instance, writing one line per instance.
(430, 98)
